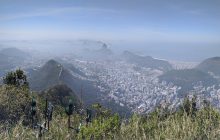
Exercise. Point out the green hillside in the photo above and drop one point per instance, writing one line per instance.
(46, 76)
(59, 95)
(187, 78)
(210, 65)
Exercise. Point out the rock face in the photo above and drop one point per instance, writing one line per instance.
(210, 65)
(146, 61)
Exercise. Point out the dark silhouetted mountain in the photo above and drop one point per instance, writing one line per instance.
(146, 61)
(210, 65)
(188, 78)
(60, 95)
(53, 73)
(46, 76)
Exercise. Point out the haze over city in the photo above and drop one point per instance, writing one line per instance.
(110, 69)
(175, 30)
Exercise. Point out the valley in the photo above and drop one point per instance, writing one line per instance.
(125, 83)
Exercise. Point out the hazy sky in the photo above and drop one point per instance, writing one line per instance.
(134, 20)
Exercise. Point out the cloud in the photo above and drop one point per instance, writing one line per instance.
(177, 7)
(55, 11)
(193, 12)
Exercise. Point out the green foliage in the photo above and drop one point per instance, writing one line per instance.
(17, 78)
(186, 123)
(175, 125)
(13, 103)
(59, 95)
(101, 128)
(189, 106)
(69, 110)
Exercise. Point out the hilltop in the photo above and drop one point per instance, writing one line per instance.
(187, 78)
(14, 52)
(53, 73)
(146, 61)
(210, 65)
(60, 94)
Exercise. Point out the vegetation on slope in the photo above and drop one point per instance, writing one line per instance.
(204, 124)
(187, 122)
(59, 95)
(13, 103)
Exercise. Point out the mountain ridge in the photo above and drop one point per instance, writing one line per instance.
(210, 65)
(146, 61)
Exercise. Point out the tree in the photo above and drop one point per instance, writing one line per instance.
(189, 106)
(16, 78)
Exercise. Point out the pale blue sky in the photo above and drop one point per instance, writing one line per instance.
(173, 21)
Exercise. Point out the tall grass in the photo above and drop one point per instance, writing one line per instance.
(187, 123)
(177, 125)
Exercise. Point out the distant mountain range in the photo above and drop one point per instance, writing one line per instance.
(14, 52)
(59, 76)
(207, 73)
(146, 61)
(102, 53)
(11, 58)
(104, 50)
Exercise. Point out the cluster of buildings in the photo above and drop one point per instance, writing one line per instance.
(138, 88)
